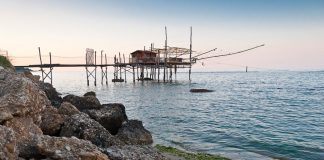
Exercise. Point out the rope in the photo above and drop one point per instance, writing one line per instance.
(228, 54)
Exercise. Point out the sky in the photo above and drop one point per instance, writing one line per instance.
(292, 30)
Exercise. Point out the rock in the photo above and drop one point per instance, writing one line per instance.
(68, 148)
(200, 90)
(2, 77)
(111, 116)
(83, 103)
(133, 152)
(8, 148)
(91, 93)
(134, 133)
(4, 116)
(20, 97)
(52, 94)
(68, 109)
(52, 121)
(83, 127)
(26, 135)
(34, 78)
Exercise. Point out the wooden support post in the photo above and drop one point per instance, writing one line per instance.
(120, 68)
(171, 73)
(175, 72)
(158, 65)
(87, 70)
(106, 70)
(95, 78)
(102, 72)
(41, 62)
(51, 68)
(133, 74)
(124, 66)
(137, 72)
(190, 53)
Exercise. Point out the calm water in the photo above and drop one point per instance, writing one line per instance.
(251, 115)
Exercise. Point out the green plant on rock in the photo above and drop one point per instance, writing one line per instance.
(5, 62)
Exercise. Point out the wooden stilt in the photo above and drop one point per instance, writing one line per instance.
(95, 78)
(124, 67)
(190, 53)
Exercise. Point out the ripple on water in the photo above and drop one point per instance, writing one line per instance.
(275, 114)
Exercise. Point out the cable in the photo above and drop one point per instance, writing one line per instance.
(228, 54)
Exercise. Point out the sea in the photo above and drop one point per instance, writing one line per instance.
(253, 115)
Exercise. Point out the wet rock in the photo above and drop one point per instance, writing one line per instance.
(68, 148)
(8, 148)
(134, 133)
(134, 152)
(68, 109)
(26, 135)
(51, 121)
(200, 90)
(111, 116)
(20, 97)
(83, 127)
(52, 94)
(83, 103)
(91, 93)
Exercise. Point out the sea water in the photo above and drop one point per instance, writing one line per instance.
(254, 115)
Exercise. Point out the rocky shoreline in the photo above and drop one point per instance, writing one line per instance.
(36, 123)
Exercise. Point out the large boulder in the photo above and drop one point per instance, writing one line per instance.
(52, 94)
(20, 97)
(111, 116)
(83, 103)
(51, 122)
(83, 127)
(26, 136)
(68, 148)
(134, 152)
(34, 78)
(134, 133)
(68, 109)
(8, 148)
(91, 93)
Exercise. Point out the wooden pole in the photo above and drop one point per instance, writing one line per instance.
(41, 62)
(51, 68)
(124, 66)
(120, 74)
(133, 74)
(102, 72)
(87, 70)
(158, 65)
(95, 78)
(106, 70)
(190, 53)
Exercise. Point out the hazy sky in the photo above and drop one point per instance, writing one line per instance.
(293, 30)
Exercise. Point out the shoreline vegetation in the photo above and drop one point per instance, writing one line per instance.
(37, 123)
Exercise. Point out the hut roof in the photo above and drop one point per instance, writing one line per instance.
(142, 52)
